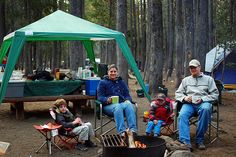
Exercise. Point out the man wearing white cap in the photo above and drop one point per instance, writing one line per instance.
(196, 92)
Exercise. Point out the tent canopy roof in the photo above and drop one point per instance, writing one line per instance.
(64, 26)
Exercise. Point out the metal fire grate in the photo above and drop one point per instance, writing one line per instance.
(113, 141)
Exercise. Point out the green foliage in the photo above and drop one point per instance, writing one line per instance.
(98, 11)
(22, 12)
(224, 34)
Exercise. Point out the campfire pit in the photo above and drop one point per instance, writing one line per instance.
(115, 146)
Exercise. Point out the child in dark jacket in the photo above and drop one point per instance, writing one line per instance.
(73, 124)
(159, 113)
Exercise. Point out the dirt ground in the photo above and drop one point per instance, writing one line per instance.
(24, 139)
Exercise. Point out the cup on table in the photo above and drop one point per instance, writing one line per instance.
(115, 99)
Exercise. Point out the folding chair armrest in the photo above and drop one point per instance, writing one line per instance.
(52, 113)
(99, 105)
(97, 102)
(135, 104)
(178, 106)
(215, 107)
(215, 103)
(98, 109)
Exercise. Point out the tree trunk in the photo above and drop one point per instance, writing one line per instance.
(170, 39)
(33, 57)
(179, 43)
(111, 55)
(122, 27)
(188, 33)
(202, 32)
(77, 55)
(148, 43)
(56, 55)
(138, 37)
(39, 56)
(111, 44)
(131, 38)
(210, 25)
(27, 58)
(233, 19)
(156, 59)
(28, 46)
(143, 34)
(103, 55)
(2, 21)
(135, 52)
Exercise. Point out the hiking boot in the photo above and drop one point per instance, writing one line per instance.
(81, 147)
(201, 146)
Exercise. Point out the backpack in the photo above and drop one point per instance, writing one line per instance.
(42, 74)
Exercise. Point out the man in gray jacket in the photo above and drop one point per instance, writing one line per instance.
(196, 92)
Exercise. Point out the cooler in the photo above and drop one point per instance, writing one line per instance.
(91, 85)
(15, 89)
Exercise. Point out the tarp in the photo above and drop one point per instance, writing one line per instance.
(62, 26)
(223, 71)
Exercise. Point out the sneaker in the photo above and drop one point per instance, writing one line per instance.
(134, 133)
(122, 135)
(148, 134)
(89, 143)
(81, 147)
(187, 146)
(201, 146)
(156, 135)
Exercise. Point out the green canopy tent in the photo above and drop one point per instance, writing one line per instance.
(62, 26)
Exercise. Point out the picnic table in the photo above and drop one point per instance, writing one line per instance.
(35, 91)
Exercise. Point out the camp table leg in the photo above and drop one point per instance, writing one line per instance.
(19, 108)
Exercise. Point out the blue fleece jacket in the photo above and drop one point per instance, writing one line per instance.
(107, 88)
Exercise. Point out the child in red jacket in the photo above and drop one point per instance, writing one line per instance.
(159, 113)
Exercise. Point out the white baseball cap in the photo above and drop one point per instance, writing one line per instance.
(194, 63)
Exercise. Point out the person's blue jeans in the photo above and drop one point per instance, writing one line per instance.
(120, 111)
(155, 127)
(204, 117)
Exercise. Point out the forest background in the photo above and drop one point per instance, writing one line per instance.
(164, 35)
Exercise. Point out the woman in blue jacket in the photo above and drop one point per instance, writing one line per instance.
(112, 85)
